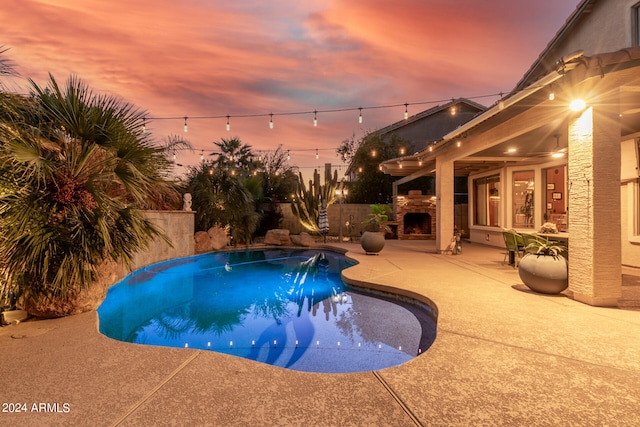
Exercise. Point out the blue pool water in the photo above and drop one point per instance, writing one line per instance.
(284, 307)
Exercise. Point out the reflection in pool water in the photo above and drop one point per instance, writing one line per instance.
(283, 307)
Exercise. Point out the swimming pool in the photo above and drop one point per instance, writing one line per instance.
(284, 307)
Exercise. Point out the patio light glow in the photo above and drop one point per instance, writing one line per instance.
(577, 105)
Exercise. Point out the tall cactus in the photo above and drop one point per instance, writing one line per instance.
(306, 204)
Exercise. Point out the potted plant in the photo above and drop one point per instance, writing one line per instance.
(544, 269)
(372, 240)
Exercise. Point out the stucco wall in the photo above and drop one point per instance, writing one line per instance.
(179, 228)
(358, 212)
(615, 37)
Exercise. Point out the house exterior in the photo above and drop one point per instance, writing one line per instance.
(562, 147)
(420, 130)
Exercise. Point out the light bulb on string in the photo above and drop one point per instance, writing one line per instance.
(271, 121)
(186, 128)
(288, 155)
(228, 124)
(315, 118)
(202, 156)
(317, 155)
(406, 110)
(144, 125)
(453, 109)
(552, 94)
(501, 102)
(360, 116)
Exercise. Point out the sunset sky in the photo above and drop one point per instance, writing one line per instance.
(252, 58)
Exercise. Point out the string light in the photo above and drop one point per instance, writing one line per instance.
(202, 156)
(144, 125)
(552, 94)
(271, 121)
(317, 155)
(228, 124)
(315, 112)
(453, 108)
(288, 155)
(501, 102)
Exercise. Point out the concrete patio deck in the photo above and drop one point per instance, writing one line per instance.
(502, 356)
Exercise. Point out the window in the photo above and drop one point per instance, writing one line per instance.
(487, 201)
(633, 210)
(522, 196)
(555, 197)
(635, 25)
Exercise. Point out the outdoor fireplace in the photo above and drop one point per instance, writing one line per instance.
(415, 216)
(417, 223)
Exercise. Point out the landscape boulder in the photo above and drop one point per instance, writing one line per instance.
(278, 237)
(214, 239)
(76, 300)
(302, 239)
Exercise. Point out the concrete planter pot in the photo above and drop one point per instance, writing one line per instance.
(546, 274)
(372, 242)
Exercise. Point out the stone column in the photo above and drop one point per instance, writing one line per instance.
(444, 203)
(594, 205)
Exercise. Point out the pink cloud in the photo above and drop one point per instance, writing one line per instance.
(199, 58)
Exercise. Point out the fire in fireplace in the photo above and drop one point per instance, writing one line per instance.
(417, 223)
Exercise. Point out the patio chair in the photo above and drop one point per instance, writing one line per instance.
(531, 238)
(514, 244)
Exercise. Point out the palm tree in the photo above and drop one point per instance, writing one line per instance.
(220, 198)
(76, 169)
(7, 67)
(235, 157)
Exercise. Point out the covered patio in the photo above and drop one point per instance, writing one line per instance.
(553, 151)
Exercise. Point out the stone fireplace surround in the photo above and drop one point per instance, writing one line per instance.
(415, 216)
